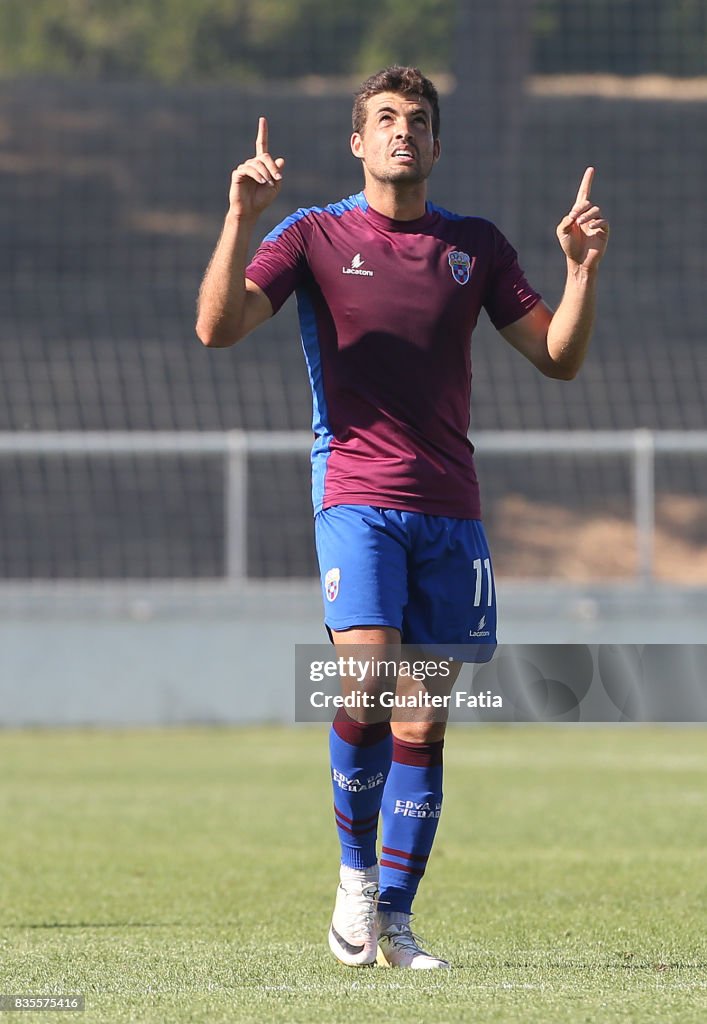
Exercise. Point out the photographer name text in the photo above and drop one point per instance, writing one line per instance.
(409, 701)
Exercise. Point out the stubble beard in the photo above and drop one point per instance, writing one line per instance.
(404, 176)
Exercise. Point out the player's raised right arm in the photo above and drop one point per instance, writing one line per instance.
(230, 306)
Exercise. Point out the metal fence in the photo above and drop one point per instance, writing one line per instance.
(237, 452)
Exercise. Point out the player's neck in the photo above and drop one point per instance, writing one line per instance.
(406, 203)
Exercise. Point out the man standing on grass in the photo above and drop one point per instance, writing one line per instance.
(389, 288)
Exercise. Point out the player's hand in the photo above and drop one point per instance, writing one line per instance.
(255, 183)
(584, 233)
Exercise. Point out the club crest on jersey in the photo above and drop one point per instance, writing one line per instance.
(331, 584)
(461, 265)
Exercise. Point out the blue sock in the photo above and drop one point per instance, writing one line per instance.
(412, 802)
(360, 762)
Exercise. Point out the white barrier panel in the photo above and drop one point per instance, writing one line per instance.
(161, 656)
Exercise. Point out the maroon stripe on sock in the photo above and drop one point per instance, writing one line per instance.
(402, 867)
(407, 856)
(359, 734)
(419, 755)
(356, 831)
(355, 821)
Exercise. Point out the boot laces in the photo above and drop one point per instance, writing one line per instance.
(362, 908)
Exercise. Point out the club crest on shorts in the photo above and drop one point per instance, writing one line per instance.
(331, 584)
(461, 264)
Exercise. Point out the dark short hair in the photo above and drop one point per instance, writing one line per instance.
(407, 81)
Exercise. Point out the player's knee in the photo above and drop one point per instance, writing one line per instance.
(419, 732)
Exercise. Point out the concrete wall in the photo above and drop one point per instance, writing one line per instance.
(169, 654)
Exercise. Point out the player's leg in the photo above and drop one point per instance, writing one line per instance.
(363, 581)
(451, 603)
(411, 808)
(360, 754)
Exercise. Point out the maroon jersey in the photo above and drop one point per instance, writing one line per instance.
(386, 311)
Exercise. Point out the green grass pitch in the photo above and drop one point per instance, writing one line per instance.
(188, 876)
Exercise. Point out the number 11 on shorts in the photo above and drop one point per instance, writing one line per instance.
(479, 568)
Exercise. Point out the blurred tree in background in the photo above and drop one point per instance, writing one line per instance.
(220, 40)
(624, 37)
(247, 40)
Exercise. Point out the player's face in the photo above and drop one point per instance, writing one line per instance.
(396, 143)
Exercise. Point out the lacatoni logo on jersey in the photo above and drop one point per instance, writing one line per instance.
(331, 584)
(356, 267)
(462, 265)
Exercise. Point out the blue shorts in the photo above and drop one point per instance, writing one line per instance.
(428, 576)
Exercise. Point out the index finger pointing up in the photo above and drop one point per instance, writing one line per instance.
(261, 142)
(585, 186)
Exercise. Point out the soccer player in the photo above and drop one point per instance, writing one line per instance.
(389, 288)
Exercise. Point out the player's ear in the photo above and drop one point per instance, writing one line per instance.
(357, 145)
(436, 150)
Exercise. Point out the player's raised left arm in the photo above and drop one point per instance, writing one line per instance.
(557, 342)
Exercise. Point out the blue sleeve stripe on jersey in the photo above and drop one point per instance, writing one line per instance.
(445, 213)
(320, 413)
(335, 209)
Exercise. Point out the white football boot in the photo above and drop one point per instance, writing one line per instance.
(353, 935)
(399, 947)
